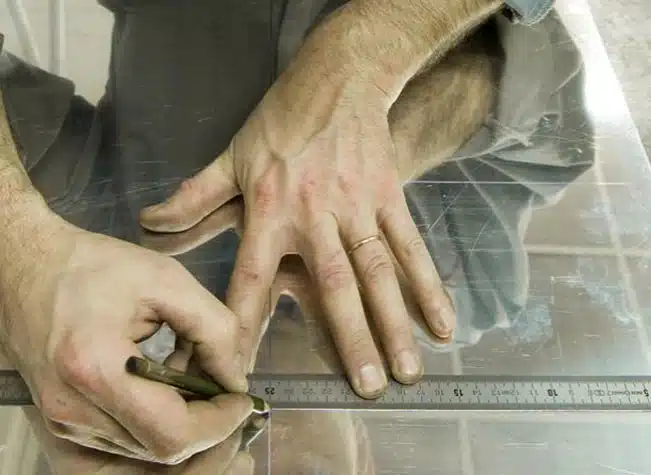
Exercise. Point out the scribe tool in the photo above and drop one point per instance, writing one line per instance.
(193, 387)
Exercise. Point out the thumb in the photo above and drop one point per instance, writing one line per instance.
(195, 199)
(229, 216)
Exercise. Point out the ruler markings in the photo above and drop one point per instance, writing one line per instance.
(433, 392)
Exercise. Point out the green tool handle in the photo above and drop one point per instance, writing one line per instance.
(191, 384)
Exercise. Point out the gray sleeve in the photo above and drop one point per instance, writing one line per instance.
(476, 208)
(55, 131)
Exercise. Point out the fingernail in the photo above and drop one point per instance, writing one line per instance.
(442, 326)
(371, 380)
(408, 364)
(444, 323)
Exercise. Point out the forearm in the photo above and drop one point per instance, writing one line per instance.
(14, 181)
(438, 111)
(387, 42)
(22, 208)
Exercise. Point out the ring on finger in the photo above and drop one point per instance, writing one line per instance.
(361, 242)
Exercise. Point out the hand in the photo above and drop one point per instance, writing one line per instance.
(65, 457)
(316, 169)
(315, 163)
(75, 315)
(292, 279)
(332, 441)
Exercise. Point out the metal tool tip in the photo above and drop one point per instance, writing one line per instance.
(260, 406)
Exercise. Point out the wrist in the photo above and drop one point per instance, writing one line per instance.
(27, 228)
(20, 204)
(344, 52)
(370, 48)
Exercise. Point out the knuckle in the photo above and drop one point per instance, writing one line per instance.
(185, 200)
(334, 273)
(359, 346)
(308, 190)
(76, 366)
(378, 267)
(359, 340)
(266, 192)
(389, 193)
(415, 248)
(168, 266)
(188, 185)
(348, 183)
(245, 331)
(173, 267)
(249, 272)
(170, 271)
(335, 277)
(192, 188)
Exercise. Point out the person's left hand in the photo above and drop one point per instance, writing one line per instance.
(315, 164)
(292, 280)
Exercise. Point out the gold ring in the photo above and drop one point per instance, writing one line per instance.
(360, 243)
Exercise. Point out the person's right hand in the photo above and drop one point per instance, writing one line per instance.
(74, 312)
(65, 457)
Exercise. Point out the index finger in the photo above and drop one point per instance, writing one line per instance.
(248, 293)
(200, 318)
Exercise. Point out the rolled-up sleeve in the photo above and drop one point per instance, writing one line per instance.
(37, 104)
(56, 132)
(528, 12)
(475, 209)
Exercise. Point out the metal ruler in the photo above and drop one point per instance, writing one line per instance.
(433, 392)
